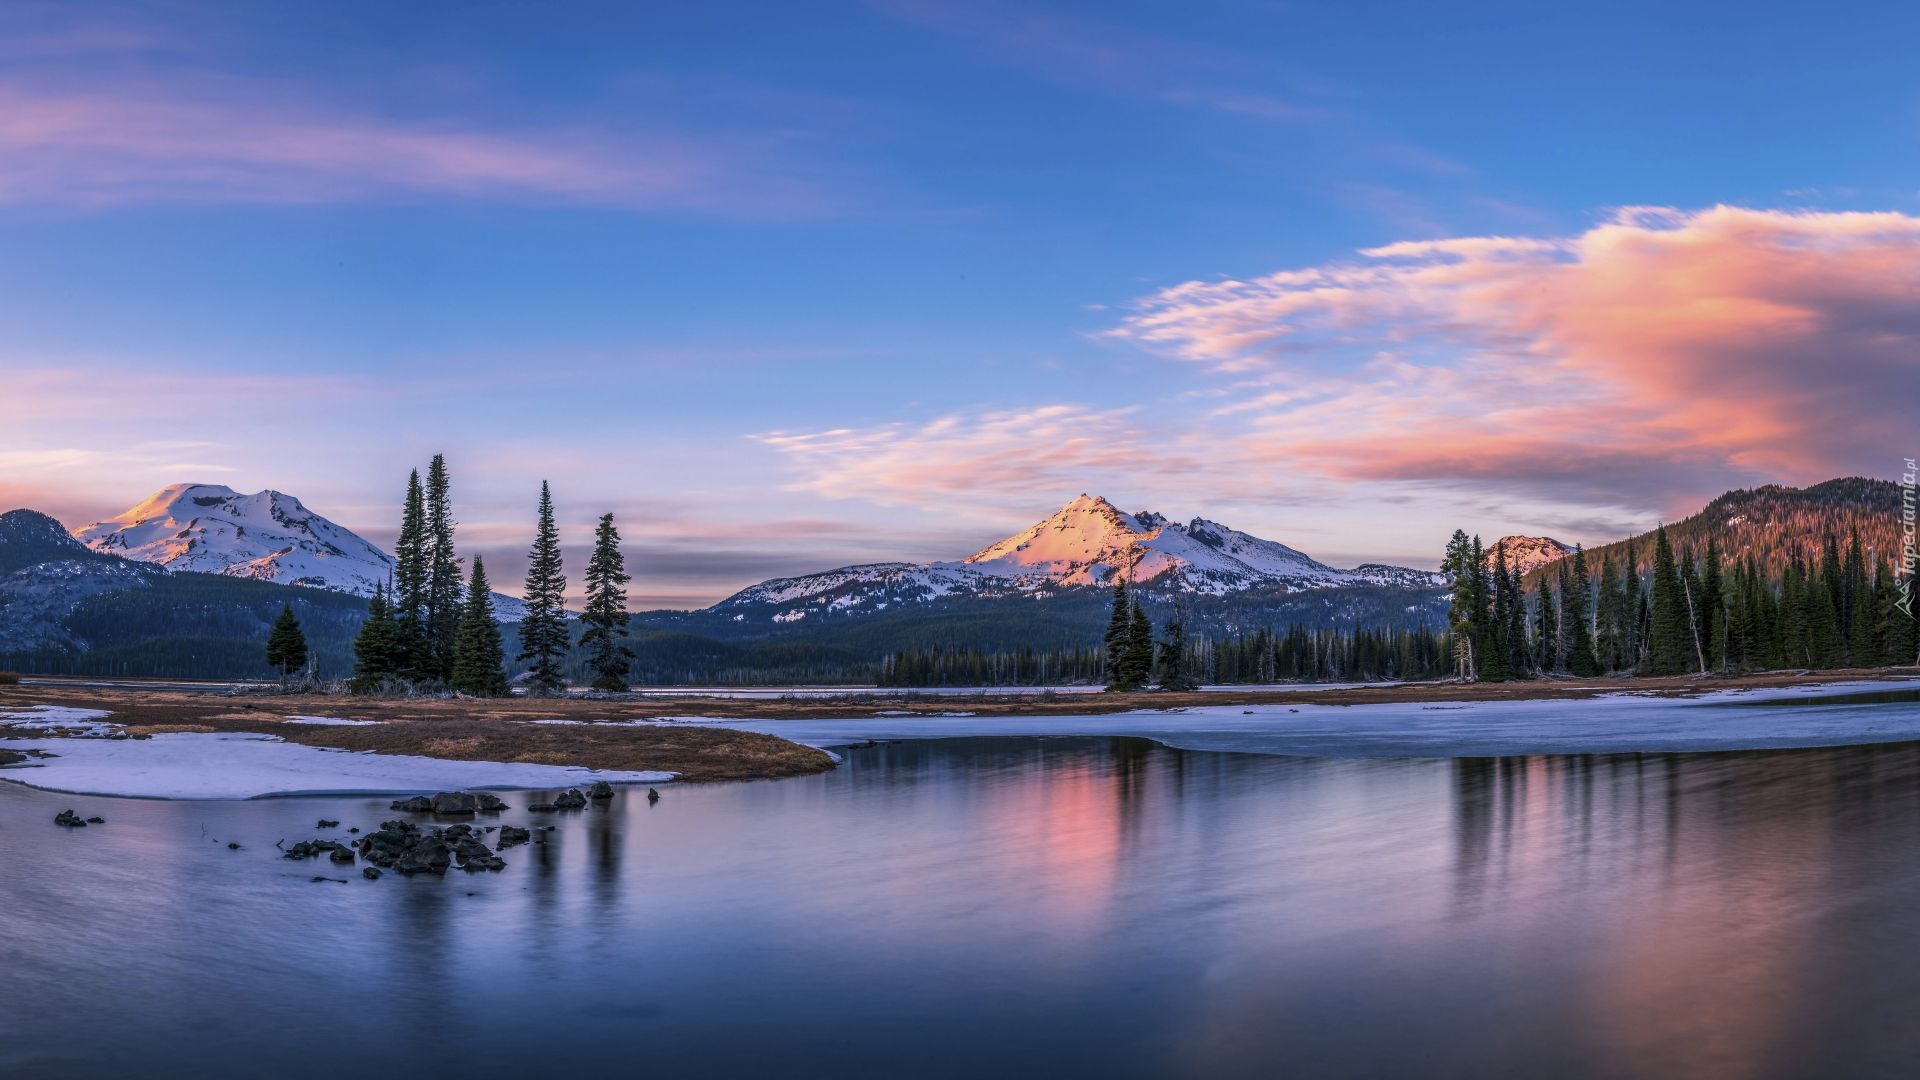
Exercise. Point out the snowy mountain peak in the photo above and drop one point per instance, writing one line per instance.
(265, 536)
(1087, 542)
(1528, 553)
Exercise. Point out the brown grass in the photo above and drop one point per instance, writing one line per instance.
(496, 730)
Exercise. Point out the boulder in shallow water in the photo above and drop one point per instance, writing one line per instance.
(371, 873)
(600, 790)
(419, 804)
(488, 804)
(427, 855)
(570, 799)
(326, 823)
(652, 796)
(511, 835)
(454, 802)
(70, 819)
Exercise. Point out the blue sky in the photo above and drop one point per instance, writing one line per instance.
(787, 286)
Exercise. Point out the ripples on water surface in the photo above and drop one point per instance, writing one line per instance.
(1011, 907)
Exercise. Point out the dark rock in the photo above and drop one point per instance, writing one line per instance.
(370, 873)
(454, 802)
(96, 821)
(542, 806)
(427, 855)
(489, 804)
(233, 847)
(355, 829)
(335, 880)
(652, 796)
(570, 799)
(511, 835)
(419, 804)
(600, 790)
(325, 824)
(70, 819)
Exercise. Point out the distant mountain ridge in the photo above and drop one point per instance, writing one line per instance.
(1086, 543)
(266, 536)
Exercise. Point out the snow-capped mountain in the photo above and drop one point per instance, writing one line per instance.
(265, 536)
(1528, 553)
(1087, 542)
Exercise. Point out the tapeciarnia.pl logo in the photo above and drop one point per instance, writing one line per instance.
(1906, 568)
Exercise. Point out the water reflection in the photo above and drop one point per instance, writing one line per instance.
(1066, 905)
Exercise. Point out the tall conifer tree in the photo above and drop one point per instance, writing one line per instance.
(378, 655)
(1118, 621)
(1575, 602)
(410, 584)
(444, 586)
(1670, 639)
(477, 653)
(544, 637)
(287, 644)
(605, 618)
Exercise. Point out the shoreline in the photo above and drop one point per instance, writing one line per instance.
(169, 743)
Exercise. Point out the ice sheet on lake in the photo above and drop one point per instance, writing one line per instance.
(1615, 723)
(330, 721)
(187, 765)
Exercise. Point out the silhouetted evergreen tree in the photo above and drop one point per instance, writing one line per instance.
(443, 573)
(287, 644)
(605, 617)
(544, 637)
(1575, 604)
(1137, 665)
(410, 584)
(478, 655)
(1176, 665)
(379, 654)
(1670, 632)
(1547, 627)
(1118, 622)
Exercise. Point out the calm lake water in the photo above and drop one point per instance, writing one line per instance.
(1056, 907)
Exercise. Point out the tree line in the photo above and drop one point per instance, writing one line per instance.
(432, 628)
(1690, 612)
(1296, 654)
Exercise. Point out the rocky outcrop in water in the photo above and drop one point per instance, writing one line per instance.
(313, 849)
(451, 803)
(406, 848)
(570, 799)
(70, 819)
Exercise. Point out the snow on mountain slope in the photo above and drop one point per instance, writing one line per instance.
(265, 536)
(1528, 553)
(1085, 543)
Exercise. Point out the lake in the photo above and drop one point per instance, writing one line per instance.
(972, 907)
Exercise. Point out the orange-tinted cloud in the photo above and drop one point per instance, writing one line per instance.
(1659, 352)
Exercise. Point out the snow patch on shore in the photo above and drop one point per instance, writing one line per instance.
(1613, 723)
(187, 765)
(331, 721)
(58, 717)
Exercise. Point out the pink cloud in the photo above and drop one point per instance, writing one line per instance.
(1677, 350)
(251, 140)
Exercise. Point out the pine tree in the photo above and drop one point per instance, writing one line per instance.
(1496, 643)
(443, 573)
(1713, 603)
(1671, 636)
(477, 652)
(287, 644)
(1863, 616)
(1611, 617)
(1897, 630)
(544, 637)
(1175, 670)
(1547, 632)
(1636, 614)
(1825, 647)
(378, 650)
(1464, 609)
(1574, 599)
(1695, 610)
(1137, 665)
(1795, 646)
(410, 584)
(605, 618)
(1118, 621)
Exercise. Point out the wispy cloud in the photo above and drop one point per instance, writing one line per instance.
(1660, 352)
(231, 139)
